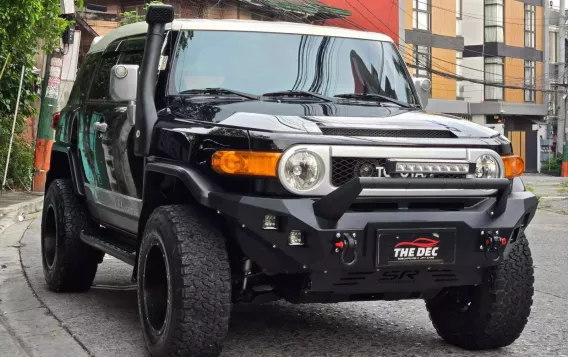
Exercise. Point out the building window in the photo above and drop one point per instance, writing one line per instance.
(493, 75)
(530, 81)
(459, 18)
(530, 26)
(553, 47)
(459, 73)
(494, 21)
(422, 61)
(421, 14)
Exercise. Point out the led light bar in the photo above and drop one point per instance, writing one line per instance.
(431, 167)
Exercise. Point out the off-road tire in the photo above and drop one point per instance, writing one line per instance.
(499, 307)
(195, 318)
(69, 265)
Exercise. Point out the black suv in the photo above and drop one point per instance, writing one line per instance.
(241, 161)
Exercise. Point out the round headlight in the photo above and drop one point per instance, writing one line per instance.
(486, 167)
(303, 170)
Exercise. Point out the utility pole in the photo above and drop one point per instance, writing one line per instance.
(58, 69)
(561, 95)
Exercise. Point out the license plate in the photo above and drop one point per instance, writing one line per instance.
(420, 246)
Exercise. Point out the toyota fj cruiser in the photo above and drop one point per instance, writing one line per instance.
(241, 161)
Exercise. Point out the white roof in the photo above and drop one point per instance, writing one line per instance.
(239, 25)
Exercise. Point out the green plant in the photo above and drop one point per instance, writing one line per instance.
(554, 164)
(130, 17)
(25, 29)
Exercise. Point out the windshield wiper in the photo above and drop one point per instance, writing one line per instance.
(298, 93)
(373, 97)
(219, 91)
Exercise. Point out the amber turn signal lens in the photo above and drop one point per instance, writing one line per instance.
(246, 163)
(514, 166)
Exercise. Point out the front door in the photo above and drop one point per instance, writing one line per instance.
(115, 174)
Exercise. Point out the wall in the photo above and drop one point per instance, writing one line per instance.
(514, 26)
(514, 76)
(445, 61)
(372, 15)
(472, 23)
(443, 17)
(473, 92)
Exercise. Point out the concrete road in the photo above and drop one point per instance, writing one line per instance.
(105, 320)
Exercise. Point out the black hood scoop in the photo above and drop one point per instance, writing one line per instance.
(387, 133)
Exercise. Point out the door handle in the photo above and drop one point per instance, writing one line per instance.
(101, 127)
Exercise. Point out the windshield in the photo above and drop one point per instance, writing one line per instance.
(257, 63)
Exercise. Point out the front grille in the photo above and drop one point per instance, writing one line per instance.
(388, 133)
(344, 169)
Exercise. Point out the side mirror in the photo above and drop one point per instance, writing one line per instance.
(123, 85)
(423, 86)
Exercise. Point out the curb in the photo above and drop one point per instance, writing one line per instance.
(16, 212)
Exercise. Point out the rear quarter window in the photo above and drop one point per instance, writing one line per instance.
(100, 88)
(84, 78)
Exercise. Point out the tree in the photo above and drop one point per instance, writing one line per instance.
(130, 17)
(26, 27)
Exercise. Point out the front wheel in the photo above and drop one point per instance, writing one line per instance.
(492, 314)
(184, 284)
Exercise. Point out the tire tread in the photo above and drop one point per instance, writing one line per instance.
(502, 313)
(202, 317)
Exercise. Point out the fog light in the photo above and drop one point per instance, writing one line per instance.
(270, 222)
(296, 238)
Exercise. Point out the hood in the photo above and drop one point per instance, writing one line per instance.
(311, 118)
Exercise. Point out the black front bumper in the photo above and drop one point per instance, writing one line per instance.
(323, 220)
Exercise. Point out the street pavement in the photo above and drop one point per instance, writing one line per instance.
(104, 321)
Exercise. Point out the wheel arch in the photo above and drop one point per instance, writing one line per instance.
(167, 183)
(172, 183)
(64, 163)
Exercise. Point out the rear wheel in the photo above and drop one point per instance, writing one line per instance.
(492, 314)
(184, 284)
(68, 263)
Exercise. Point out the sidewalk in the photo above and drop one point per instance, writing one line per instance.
(546, 186)
(15, 206)
(27, 327)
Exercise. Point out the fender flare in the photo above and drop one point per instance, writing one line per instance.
(197, 183)
(74, 167)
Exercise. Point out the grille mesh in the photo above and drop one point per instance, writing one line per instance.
(390, 133)
(347, 168)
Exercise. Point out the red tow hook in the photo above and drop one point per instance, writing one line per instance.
(345, 244)
(493, 245)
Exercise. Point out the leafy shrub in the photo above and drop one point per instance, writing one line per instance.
(131, 17)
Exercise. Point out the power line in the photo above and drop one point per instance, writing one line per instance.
(453, 76)
(483, 71)
(479, 18)
(425, 68)
(413, 18)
